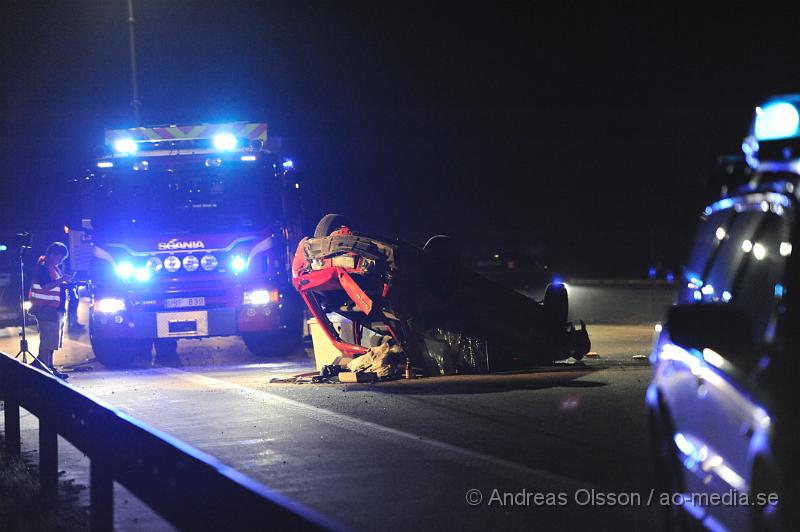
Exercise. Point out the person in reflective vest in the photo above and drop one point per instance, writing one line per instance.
(48, 301)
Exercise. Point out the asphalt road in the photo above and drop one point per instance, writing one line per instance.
(541, 447)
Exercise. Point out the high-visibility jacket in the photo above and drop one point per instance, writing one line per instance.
(40, 297)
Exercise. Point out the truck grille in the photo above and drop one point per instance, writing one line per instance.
(157, 302)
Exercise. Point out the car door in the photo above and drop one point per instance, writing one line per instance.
(746, 272)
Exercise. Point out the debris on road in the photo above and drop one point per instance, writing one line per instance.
(381, 360)
(592, 354)
(445, 319)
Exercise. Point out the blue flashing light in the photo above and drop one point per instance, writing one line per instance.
(651, 272)
(776, 120)
(125, 146)
(125, 270)
(779, 290)
(3, 247)
(697, 295)
(225, 142)
(105, 164)
(707, 290)
(694, 280)
(670, 277)
(557, 280)
(238, 264)
(143, 274)
(288, 163)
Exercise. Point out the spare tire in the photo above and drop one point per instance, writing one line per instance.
(330, 223)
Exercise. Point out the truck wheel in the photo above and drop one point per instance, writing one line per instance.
(267, 344)
(328, 224)
(117, 354)
(166, 349)
(556, 306)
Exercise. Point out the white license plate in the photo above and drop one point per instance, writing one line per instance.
(184, 302)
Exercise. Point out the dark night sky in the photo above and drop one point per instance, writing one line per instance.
(585, 135)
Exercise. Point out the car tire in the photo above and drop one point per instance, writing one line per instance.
(120, 354)
(330, 223)
(668, 468)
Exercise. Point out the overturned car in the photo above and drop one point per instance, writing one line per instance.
(445, 318)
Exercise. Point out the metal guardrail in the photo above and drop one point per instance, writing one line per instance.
(188, 488)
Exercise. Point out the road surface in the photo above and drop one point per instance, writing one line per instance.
(528, 450)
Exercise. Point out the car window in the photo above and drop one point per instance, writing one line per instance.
(739, 258)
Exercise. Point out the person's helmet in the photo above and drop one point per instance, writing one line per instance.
(57, 248)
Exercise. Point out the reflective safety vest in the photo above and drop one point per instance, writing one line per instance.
(41, 298)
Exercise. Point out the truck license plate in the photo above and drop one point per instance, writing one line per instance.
(183, 326)
(184, 302)
(182, 323)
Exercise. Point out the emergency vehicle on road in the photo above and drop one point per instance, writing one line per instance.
(186, 233)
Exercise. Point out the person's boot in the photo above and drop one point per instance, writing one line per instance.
(75, 326)
(60, 374)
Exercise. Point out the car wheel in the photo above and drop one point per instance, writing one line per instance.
(330, 223)
(119, 354)
(668, 469)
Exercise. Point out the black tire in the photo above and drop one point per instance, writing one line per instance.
(442, 265)
(556, 306)
(330, 223)
(166, 349)
(120, 354)
(668, 468)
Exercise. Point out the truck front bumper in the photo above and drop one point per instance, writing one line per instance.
(186, 323)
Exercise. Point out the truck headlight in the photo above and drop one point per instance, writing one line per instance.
(209, 262)
(172, 264)
(143, 275)
(238, 264)
(190, 263)
(124, 270)
(110, 305)
(260, 297)
(154, 264)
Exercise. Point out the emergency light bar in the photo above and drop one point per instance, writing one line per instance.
(200, 138)
(773, 141)
(777, 119)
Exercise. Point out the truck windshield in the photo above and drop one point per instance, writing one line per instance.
(171, 201)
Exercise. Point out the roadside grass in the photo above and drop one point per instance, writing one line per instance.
(22, 510)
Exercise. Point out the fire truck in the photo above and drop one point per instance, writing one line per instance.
(186, 232)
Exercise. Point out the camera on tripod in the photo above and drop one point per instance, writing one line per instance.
(23, 240)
